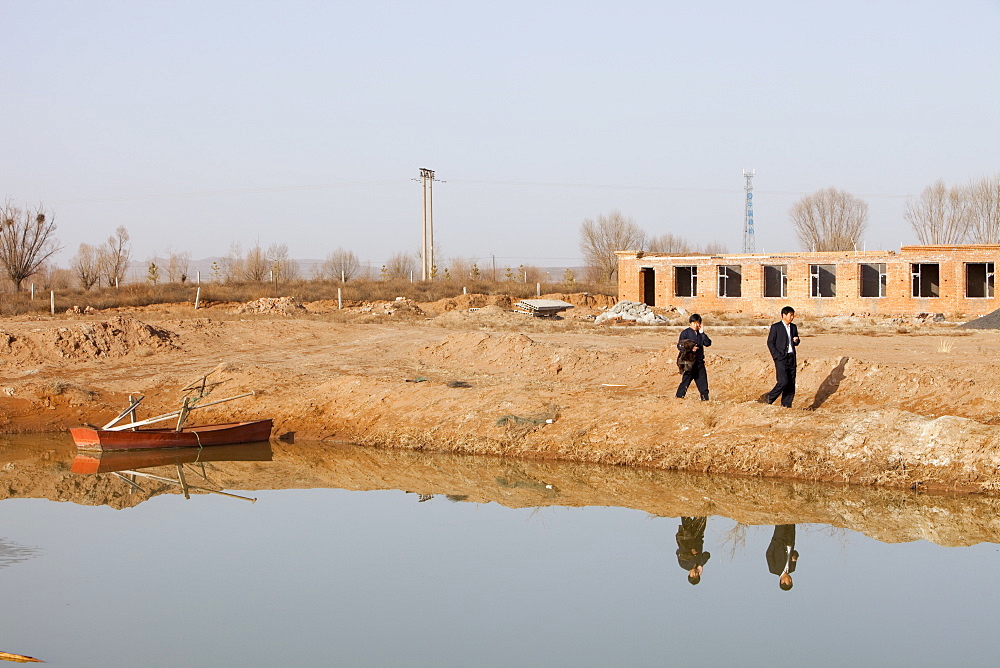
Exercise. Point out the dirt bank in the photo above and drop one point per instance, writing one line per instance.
(42, 471)
(875, 406)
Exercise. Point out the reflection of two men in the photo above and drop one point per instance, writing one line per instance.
(781, 554)
(690, 547)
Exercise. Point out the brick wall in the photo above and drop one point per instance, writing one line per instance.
(951, 262)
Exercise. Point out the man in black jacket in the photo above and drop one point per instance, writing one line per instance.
(781, 554)
(782, 341)
(691, 555)
(697, 371)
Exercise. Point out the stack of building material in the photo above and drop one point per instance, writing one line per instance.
(542, 308)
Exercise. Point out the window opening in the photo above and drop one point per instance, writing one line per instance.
(730, 281)
(979, 280)
(873, 280)
(926, 280)
(823, 279)
(685, 281)
(775, 280)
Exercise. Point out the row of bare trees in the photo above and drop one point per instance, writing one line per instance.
(107, 262)
(957, 214)
(600, 237)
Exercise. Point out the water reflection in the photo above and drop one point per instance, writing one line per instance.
(132, 465)
(690, 547)
(315, 573)
(49, 468)
(781, 555)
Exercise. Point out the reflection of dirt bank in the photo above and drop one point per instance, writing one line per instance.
(41, 471)
(882, 409)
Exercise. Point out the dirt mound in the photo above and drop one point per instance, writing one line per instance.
(583, 299)
(988, 321)
(400, 306)
(116, 337)
(465, 302)
(278, 305)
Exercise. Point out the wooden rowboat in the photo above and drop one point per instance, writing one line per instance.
(88, 438)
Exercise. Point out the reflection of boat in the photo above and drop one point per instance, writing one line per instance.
(122, 460)
(210, 434)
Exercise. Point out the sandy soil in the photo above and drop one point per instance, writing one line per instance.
(875, 406)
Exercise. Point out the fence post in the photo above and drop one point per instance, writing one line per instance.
(197, 298)
(340, 304)
(538, 289)
(52, 301)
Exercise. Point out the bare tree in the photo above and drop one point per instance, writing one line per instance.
(400, 265)
(984, 211)
(668, 243)
(85, 266)
(231, 264)
(599, 239)
(340, 265)
(255, 264)
(829, 220)
(26, 241)
(715, 248)
(940, 215)
(282, 266)
(114, 256)
(177, 266)
(51, 277)
(460, 268)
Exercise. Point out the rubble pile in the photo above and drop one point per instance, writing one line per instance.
(278, 305)
(631, 311)
(86, 310)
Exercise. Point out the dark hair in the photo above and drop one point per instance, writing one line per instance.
(783, 586)
(694, 579)
(787, 309)
(694, 318)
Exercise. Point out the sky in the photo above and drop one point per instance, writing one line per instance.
(197, 125)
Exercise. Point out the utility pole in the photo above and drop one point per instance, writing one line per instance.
(427, 235)
(748, 238)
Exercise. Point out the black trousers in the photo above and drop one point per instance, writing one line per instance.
(784, 371)
(699, 375)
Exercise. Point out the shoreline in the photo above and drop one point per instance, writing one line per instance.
(885, 409)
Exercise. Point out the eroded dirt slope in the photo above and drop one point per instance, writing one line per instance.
(873, 407)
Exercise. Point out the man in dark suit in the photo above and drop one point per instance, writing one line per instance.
(696, 333)
(781, 554)
(782, 341)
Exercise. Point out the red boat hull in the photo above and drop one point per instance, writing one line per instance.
(229, 433)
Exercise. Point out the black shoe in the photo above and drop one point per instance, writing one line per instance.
(704, 397)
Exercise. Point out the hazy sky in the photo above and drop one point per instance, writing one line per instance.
(200, 124)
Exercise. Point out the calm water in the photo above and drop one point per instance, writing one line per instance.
(320, 575)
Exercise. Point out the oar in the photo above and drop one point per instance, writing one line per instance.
(125, 412)
(200, 489)
(173, 414)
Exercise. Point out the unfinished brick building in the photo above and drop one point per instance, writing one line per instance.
(954, 280)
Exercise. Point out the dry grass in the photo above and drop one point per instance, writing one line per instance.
(142, 294)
